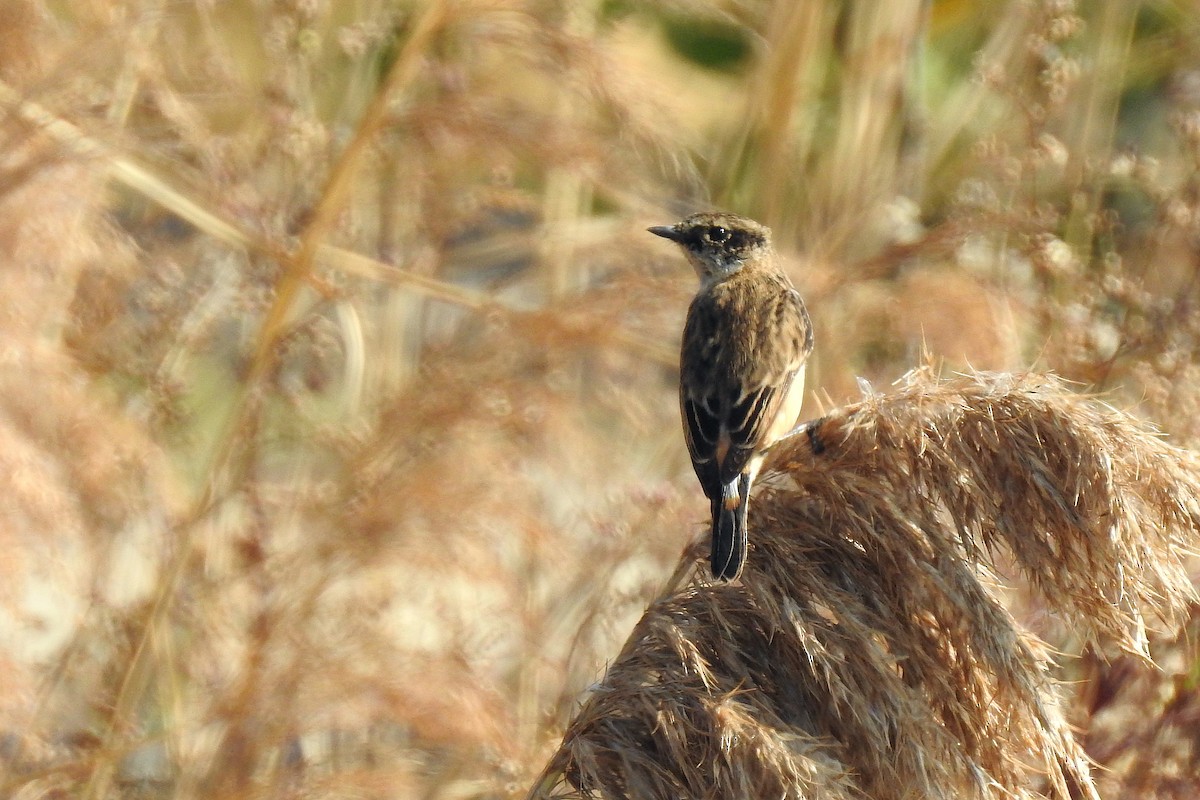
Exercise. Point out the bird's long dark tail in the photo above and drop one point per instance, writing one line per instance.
(729, 529)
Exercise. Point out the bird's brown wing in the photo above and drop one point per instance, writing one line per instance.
(743, 349)
(700, 407)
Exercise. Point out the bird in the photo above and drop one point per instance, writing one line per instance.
(745, 346)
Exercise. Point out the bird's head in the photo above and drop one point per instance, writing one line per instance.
(718, 244)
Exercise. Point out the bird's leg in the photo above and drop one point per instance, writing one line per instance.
(812, 429)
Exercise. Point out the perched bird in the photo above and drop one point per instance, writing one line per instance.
(741, 381)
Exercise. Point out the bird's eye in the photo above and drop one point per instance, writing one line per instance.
(717, 233)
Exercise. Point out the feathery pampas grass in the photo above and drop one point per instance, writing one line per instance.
(867, 652)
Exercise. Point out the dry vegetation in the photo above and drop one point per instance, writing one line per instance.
(863, 656)
(338, 422)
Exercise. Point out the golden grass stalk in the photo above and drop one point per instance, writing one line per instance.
(866, 652)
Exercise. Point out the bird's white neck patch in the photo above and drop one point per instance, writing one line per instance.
(713, 269)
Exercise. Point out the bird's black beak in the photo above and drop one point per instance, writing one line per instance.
(665, 231)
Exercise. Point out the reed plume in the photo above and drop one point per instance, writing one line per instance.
(867, 652)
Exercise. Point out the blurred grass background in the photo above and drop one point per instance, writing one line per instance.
(338, 416)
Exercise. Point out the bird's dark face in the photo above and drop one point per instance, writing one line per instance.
(716, 244)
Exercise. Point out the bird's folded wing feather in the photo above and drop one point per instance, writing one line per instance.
(738, 394)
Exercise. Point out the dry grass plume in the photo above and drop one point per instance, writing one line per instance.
(868, 651)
